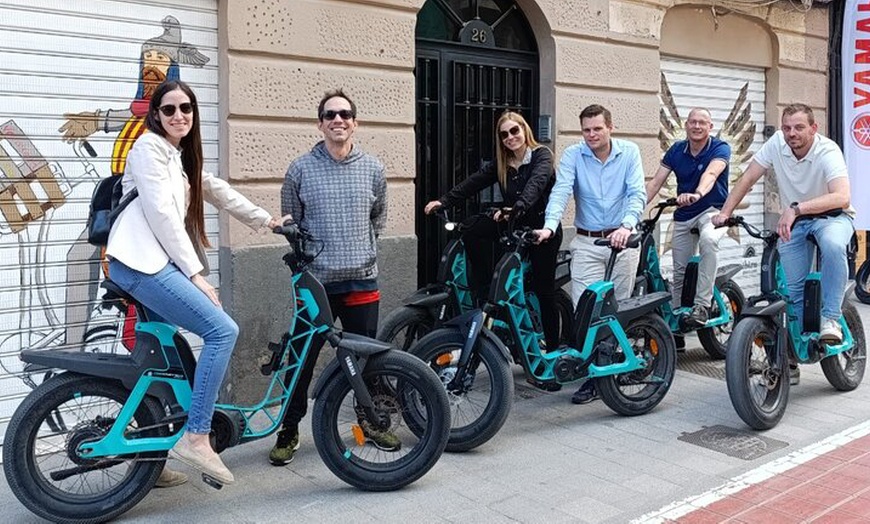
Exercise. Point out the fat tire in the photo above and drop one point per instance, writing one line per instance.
(357, 471)
(738, 370)
(711, 344)
(35, 491)
(493, 416)
(846, 370)
(861, 277)
(662, 366)
(402, 318)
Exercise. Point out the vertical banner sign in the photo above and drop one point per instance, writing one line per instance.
(856, 105)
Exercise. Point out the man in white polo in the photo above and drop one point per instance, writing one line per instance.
(812, 177)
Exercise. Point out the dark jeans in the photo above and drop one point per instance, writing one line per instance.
(362, 320)
(479, 242)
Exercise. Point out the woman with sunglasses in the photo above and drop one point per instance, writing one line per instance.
(156, 251)
(525, 175)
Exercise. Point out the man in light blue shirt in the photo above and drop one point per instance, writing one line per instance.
(606, 177)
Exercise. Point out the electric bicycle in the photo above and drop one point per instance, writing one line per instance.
(769, 335)
(89, 443)
(726, 305)
(624, 346)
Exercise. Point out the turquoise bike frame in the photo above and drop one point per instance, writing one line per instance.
(309, 320)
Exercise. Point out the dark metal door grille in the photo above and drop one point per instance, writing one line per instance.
(460, 96)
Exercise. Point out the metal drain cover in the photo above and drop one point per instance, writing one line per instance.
(697, 361)
(735, 443)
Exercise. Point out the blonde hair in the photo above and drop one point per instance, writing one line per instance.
(502, 152)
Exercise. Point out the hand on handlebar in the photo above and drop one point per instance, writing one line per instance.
(619, 238)
(432, 206)
(687, 199)
(542, 235)
(720, 219)
(278, 222)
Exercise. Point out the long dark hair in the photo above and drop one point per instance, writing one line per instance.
(191, 155)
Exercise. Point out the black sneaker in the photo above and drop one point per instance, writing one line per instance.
(586, 394)
(697, 316)
(285, 448)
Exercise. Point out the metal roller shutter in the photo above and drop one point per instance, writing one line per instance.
(75, 68)
(724, 90)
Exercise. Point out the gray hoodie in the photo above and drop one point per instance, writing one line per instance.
(344, 205)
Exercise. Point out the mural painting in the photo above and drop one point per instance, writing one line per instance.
(49, 274)
(740, 131)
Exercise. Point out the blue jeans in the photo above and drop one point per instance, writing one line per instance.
(173, 297)
(833, 236)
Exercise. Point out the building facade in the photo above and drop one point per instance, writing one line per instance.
(429, 79)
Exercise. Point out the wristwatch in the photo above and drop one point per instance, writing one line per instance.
(796, 207)
(626, 225)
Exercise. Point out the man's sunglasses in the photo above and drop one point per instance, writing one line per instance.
(168, 110)
(345, 114)
(514, 131)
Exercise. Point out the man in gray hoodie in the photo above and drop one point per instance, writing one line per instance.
(339, 194)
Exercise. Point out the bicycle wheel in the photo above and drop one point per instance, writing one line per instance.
(480, 405)
(846, 370)
(638, 392)
(861, 277)
(41, 464)
(404, 326)
(757, 378)
(399, 382)
(715, 340)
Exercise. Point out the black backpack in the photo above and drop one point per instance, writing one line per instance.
(106, 205)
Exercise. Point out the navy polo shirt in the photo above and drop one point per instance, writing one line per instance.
(689, 169)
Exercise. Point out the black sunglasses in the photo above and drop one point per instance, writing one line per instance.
(345, 114)
(168, 110)
(514, 131)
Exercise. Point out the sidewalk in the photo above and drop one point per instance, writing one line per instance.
(825, 483)
(554, 462)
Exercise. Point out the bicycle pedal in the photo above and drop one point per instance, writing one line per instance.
(211, 481)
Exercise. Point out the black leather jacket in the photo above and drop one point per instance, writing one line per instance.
(528, 187)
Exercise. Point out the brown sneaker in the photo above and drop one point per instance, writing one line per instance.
(208, 463)
(169, 478)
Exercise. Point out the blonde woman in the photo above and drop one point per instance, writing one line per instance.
(524, 173)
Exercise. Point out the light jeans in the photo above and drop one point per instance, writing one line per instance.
(173, 297)
(833, 236)
(588, 263)
(683, 244)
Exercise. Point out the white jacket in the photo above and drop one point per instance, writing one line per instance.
(150, 231)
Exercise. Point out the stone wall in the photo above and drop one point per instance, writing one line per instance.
(279, 56)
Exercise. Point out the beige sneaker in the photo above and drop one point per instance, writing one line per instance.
(831, 333)
(169, 478)
(208, 463)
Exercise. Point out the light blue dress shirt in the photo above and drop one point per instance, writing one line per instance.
(607, 194)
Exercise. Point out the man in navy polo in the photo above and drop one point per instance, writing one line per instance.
(701, 165)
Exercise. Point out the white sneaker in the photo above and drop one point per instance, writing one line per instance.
(830, 332)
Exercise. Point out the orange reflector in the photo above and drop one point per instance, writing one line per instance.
(443, 359)
(358, 435)
(733, 307)
(758, 341)
(654, 347)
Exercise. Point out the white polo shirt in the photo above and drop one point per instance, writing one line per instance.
(807, 178)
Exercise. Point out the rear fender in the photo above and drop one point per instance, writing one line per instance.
(634, 307)
(770, 310)
(428, 297)
(726, 273)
